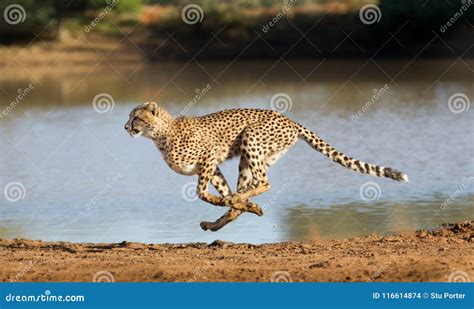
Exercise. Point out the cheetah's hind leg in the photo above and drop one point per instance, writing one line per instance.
(220, 183)
(254, 168)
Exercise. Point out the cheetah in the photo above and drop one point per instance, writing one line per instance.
(197, 145)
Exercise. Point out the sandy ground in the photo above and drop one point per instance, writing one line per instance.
(443, 254)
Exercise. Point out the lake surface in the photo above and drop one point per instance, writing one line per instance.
(70, 172)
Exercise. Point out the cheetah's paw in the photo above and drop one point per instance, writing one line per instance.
(209, 226)
(254, 208)
(205, 225)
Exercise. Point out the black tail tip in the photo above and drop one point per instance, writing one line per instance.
(394, 174)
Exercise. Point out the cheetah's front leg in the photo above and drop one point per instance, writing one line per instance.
(228, 217)
(245, 178)
(213, 175)
(221, 185)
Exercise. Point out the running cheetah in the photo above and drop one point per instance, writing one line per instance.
(197, 145)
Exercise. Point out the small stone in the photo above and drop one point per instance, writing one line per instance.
(219, 243)
(319, 264)
(423, 234)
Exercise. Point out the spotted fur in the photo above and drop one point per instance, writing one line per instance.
(197, 145)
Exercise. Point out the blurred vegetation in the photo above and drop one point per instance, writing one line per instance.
(424, 16)
(43, 18)
(39, 17)
(239, 25)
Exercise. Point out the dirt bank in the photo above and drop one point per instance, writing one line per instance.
(73, 55)
(442, 254)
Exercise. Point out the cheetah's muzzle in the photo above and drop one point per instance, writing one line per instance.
(197, 145)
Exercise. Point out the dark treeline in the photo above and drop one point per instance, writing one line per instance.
(259, 29)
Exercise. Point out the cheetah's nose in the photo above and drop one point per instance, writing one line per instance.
(126, 127)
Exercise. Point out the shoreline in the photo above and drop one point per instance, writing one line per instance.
(441, 254)
(78, 54)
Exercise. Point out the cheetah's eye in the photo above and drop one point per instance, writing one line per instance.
(137, 120)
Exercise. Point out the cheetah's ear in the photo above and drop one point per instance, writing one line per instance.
(152, 107)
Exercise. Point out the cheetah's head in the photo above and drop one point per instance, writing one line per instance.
(148, 120)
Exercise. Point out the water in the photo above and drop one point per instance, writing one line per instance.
(86, 180)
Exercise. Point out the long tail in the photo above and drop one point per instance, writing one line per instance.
(317, 143)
